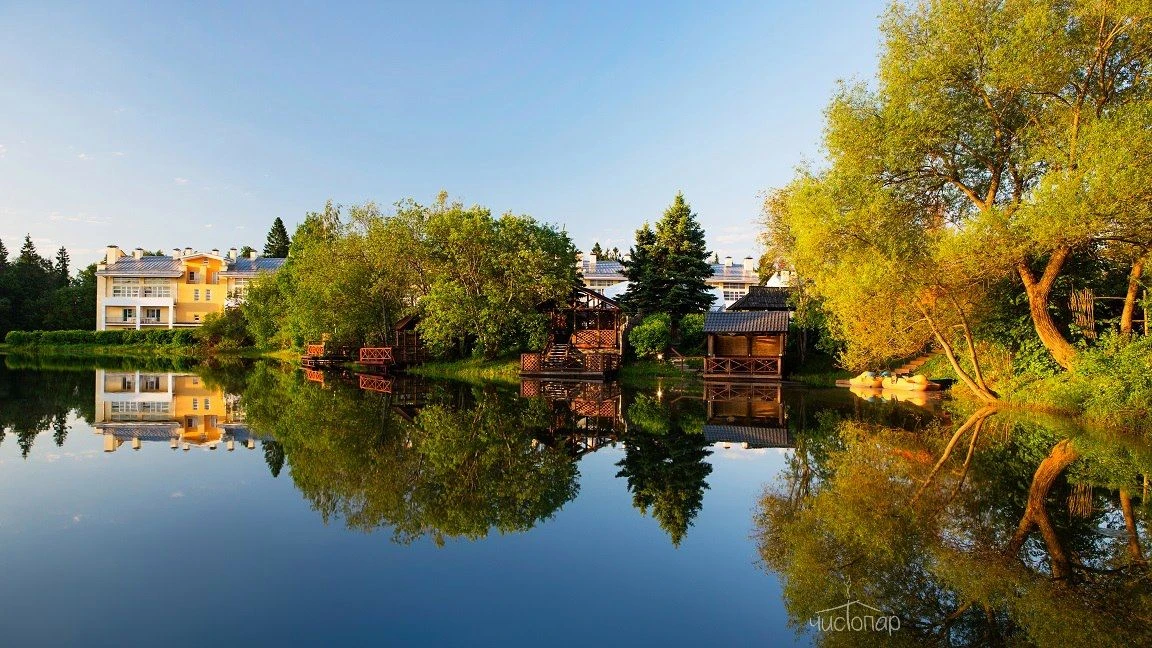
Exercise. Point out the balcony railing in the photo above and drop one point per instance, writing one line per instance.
(742, 366)
(137, 291)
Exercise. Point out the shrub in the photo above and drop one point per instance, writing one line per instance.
(691, 334)
(652, 336)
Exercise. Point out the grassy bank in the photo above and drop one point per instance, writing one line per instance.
(818, 370)
(643, 372)
(504, 370)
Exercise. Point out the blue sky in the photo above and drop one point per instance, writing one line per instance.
(161, 125)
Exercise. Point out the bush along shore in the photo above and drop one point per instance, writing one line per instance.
(159, 343)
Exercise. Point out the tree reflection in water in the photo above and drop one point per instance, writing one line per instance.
(1009, 531)
(38, 401)
(459, 465)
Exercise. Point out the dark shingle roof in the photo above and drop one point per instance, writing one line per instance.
(761, 298)
(746, 322)
(149, 266)
(246, 266)
(760, 437)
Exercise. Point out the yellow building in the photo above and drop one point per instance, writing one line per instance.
(134, 407)
(146, 291)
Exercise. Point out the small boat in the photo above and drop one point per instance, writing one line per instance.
(867, 379)
(909, 383)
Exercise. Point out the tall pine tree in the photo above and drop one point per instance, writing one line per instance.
(278, 242)
(669, 267)
(61, 268)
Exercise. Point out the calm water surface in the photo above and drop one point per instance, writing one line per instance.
(259, 504)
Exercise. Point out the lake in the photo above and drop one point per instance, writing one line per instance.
(145, 505)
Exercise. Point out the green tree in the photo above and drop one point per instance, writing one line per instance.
(1009, 121)
(669, 267)
(61, 268)
(247, 250)
(278, 243)
(596, 249)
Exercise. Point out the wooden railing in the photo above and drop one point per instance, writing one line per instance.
(314, 350)
(531, 362)
(601, 362)
(314, 375)
(742, 366)
(594, 338)
(729, 391)
(375, 355)
(371, 382)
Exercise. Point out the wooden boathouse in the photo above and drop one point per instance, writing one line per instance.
(745, 345)
(585, 340)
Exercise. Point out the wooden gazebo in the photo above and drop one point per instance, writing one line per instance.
(407, 347)
(745, 345)
(585, 340)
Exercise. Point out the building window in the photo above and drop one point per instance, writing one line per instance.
(207, 404)
(150, 383)
(128, 314)
(196, 295)
(196, 317)
(733, 295)
(152, 315)
(127, 384)
(195, 404)
(191, 276)
(208, 294)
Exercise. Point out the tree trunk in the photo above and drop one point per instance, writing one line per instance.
(1039, 293)
(1130, 298)
(983, 393)
(1036, 512)
(1134, 549)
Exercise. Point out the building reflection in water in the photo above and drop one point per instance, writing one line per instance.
(584, 416)
(750, 415)
(181, 409)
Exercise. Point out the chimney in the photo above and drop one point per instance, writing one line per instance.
(111, 254)
(175, 253)
(591, 263)
(138, 253)
(253, 254)
(232, 252)
(215, 252)
(187, 251)
(748, 269)
(727, 262)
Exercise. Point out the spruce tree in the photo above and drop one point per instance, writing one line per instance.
(278, 242)
(642, 296)
(3, 256)
(596, 249)
(670, 268)
(61, 268)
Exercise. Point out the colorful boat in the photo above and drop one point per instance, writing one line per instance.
(909, 383)
(867, 379)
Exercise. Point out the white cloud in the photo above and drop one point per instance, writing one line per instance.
(177, 495)
(180, 181)
(117, 153)
(208, 226)
(84, 156)
(3, 150)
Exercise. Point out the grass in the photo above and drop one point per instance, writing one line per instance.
(640, 372)
(505, 370)
(818, 370)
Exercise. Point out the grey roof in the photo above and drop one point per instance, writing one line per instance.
(734, 273)
(247, 266)
(760, 437)
(760, 298)
(149, 266)
(603, 269)
(746, 322)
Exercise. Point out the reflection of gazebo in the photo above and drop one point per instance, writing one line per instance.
(749, 414)
(585, 416)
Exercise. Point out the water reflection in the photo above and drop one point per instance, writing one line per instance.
(992, 530)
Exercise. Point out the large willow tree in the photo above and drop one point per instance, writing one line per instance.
(1021, 126)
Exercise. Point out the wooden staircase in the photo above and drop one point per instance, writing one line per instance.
(913, 365)
(560, 355)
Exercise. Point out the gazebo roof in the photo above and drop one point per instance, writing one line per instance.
(762, 298)
(746, 322)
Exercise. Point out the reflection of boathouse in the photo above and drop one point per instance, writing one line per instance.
(583, 416)
(134, 407)
(750, 414)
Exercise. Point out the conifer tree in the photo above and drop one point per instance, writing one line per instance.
(596, 249)
(3, 256)
(669, 268)
(61, 267)
(278, 242)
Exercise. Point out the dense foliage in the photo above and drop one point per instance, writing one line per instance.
(474, 279)
(41, 293)
(1001, 160)
(173, 337)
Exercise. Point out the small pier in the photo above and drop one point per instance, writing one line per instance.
(322, 355)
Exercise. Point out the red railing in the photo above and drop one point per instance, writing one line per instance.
(314, 375)
(742, 366)
(375, 355)
(382, 384)
(314, 350)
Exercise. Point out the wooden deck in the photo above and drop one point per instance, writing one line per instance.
(587, 366)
